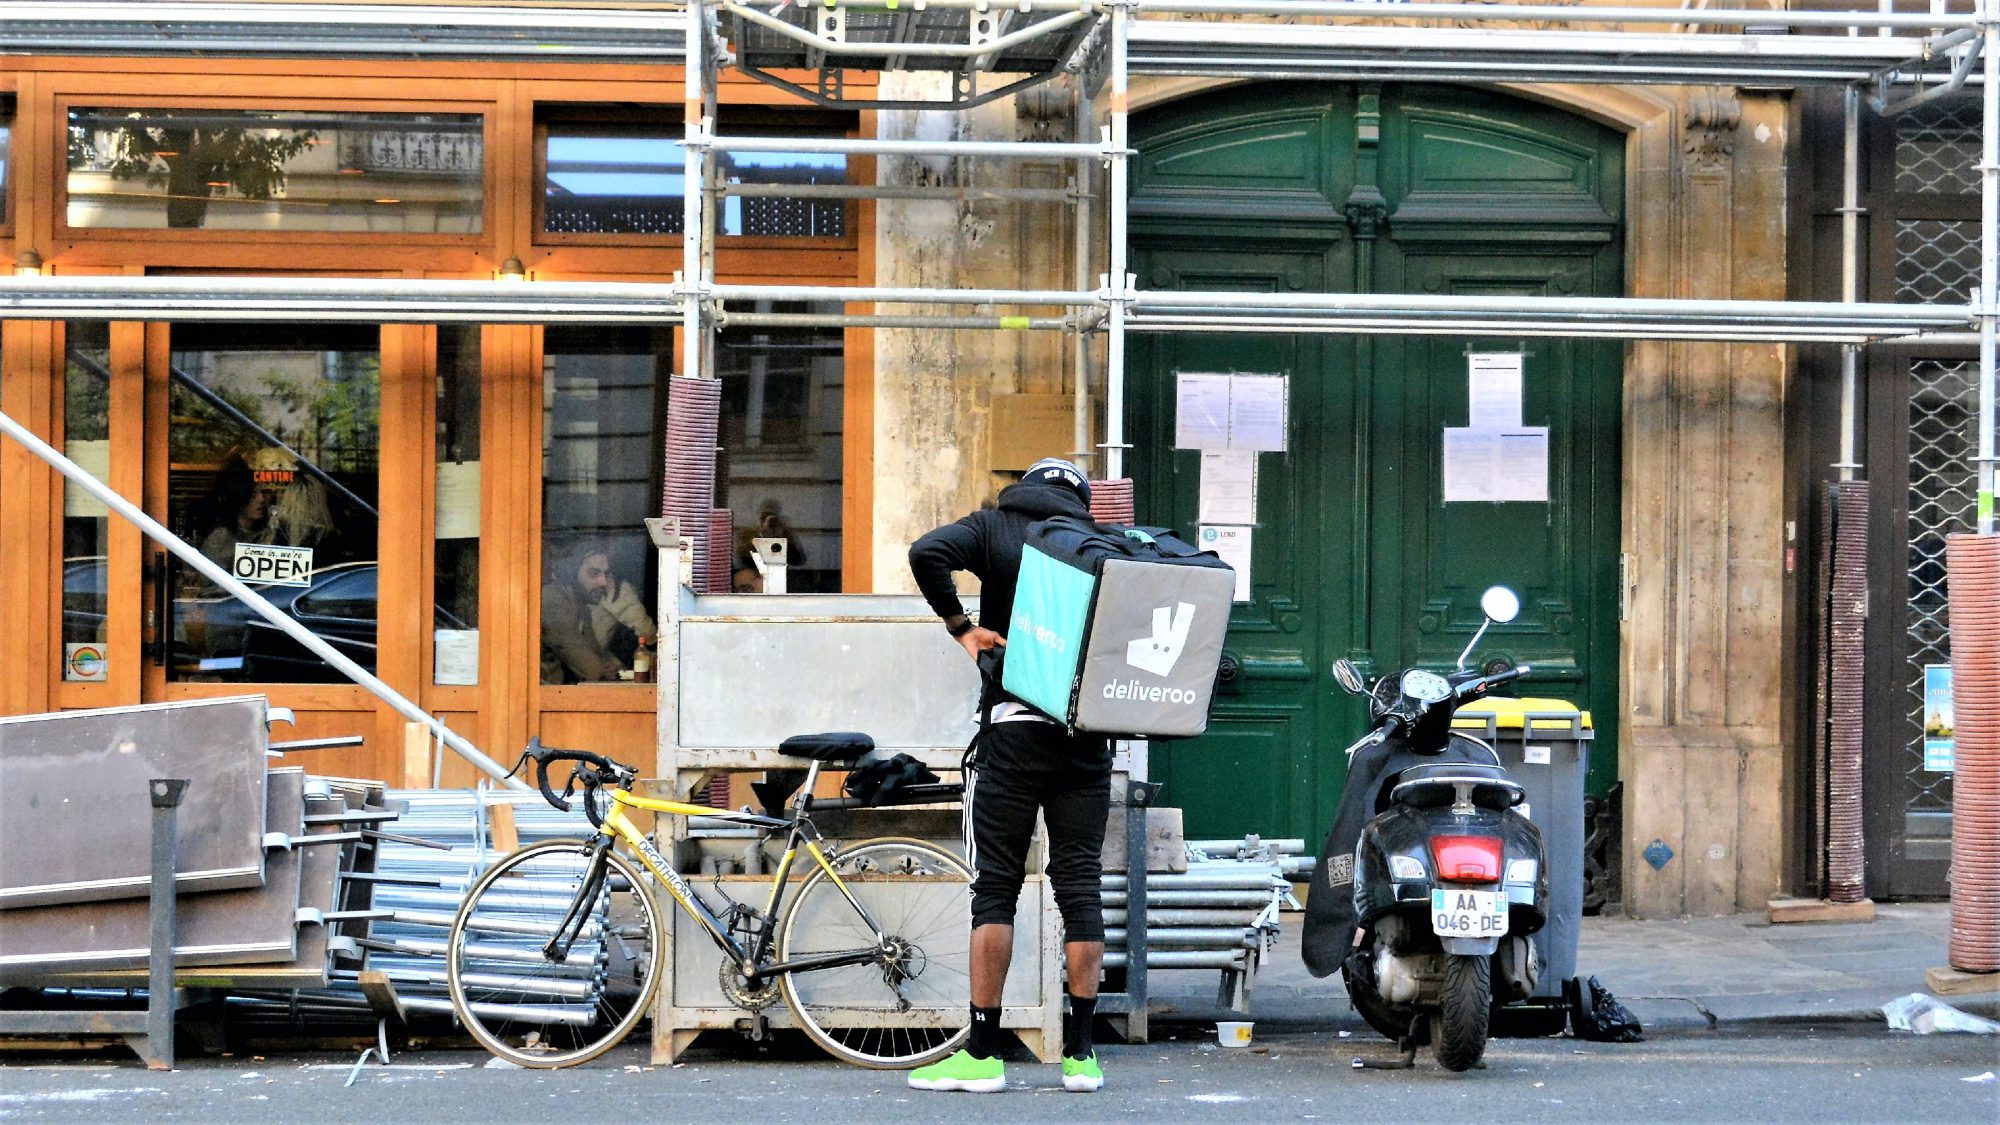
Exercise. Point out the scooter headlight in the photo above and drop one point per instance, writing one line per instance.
(1521, 871)
(1405, 868)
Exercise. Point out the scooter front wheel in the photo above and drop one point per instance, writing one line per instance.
(1465, 1006)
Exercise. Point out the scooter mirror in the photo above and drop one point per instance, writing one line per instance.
(1349, 676)
(1500, 604)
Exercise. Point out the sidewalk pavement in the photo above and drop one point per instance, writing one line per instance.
(1689, 973)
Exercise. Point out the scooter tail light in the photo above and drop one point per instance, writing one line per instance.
(1467, 859)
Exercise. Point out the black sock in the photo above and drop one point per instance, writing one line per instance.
(1076, 1026)
(985, 1041)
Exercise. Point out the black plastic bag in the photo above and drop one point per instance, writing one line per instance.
(1597, 1015)
(880, 778)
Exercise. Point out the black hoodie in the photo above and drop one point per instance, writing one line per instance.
(988, 544)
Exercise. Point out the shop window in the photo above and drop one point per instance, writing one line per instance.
(611, 178)
(255, 170)
(86, 523)
(603, 410)
(456, 531)
(781, 471)
(274, 448)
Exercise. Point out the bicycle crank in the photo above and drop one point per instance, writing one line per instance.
(751, 997)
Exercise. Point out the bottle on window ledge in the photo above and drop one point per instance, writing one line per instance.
(642, 661)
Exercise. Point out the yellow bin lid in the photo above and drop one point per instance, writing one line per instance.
(1509, 714)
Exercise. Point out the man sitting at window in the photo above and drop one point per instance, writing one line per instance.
(580, 583)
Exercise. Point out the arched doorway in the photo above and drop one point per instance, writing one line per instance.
(1356, 550)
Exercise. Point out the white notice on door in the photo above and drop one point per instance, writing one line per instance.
(1232, 545)
(1258, 406)
(456, 657)
(1201, 411)
(1493, 398)
(1228, 487)
(1496, 466)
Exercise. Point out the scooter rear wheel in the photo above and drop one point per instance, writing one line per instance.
(1467, 1003)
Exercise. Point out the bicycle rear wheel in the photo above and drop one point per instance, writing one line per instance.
(908, 1006)
(538, 1011)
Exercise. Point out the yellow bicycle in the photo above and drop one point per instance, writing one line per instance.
(556, 953)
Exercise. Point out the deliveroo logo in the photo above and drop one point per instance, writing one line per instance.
(1160, 652)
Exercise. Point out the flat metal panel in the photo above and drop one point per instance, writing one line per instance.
(757, 669)
(78, 825)
(248, 926)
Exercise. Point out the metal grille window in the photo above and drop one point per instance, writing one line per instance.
(1942, 404)
(627, 180)
(1937, 260)
(1937, 148)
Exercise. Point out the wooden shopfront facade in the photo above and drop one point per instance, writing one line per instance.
(449, 481)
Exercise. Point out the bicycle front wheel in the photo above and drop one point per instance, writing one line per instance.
(536, 1010)
(907, 1005)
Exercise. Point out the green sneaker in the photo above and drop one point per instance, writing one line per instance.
(964, 1072)
(1082, 1076)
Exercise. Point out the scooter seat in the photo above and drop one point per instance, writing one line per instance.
(1427, 786)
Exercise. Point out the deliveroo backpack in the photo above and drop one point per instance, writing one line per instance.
(1117, 630)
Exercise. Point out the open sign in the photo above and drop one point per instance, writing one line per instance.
(264, 564)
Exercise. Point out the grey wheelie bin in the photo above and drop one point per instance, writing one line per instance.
(1545, 746)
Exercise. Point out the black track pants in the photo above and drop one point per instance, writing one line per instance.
(1018, 768)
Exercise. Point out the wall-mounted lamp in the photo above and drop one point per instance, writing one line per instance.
(513, 270)
(28, 264)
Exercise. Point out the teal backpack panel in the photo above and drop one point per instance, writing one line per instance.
(1045, 635)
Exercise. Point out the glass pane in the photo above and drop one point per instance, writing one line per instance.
(782, 412)
(274, 449)
(456, 574)
(603, 406)
(86, 523)
(6, 153)
(216, 169)
(605, 181)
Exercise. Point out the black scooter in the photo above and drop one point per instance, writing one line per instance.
(1429, 883)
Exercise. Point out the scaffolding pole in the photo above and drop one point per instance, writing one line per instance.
(1989, 250)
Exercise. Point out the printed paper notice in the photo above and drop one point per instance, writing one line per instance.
(1939, 740)
(93, 457)
(458, 500)
(1231, 545)
(1228, 487)
(1494, 390)
(456, 658)
(1257, 410)
(1496, 466)
(1201, 412)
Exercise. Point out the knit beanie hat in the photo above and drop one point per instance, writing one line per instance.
(1055, 470)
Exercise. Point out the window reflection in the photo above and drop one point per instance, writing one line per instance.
(216, 169)
(274, 451)
(456, 549)
(6, 154)
(85, 520)
(604, 401)
(631, 181)
(782, 412)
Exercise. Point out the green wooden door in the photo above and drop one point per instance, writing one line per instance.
(1379, 189)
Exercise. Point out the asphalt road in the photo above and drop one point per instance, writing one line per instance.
(1788, 1074)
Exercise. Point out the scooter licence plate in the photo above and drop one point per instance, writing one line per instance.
(1461, 913)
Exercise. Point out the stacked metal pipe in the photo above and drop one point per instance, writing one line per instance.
(1221, 913)
(420, 889)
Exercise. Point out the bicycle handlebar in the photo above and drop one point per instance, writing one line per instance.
(593, 770)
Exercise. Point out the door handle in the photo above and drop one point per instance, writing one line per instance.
(158, 573)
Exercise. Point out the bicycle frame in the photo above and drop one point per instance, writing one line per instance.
(799, 830)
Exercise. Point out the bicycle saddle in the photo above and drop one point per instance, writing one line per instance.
(830, 746)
